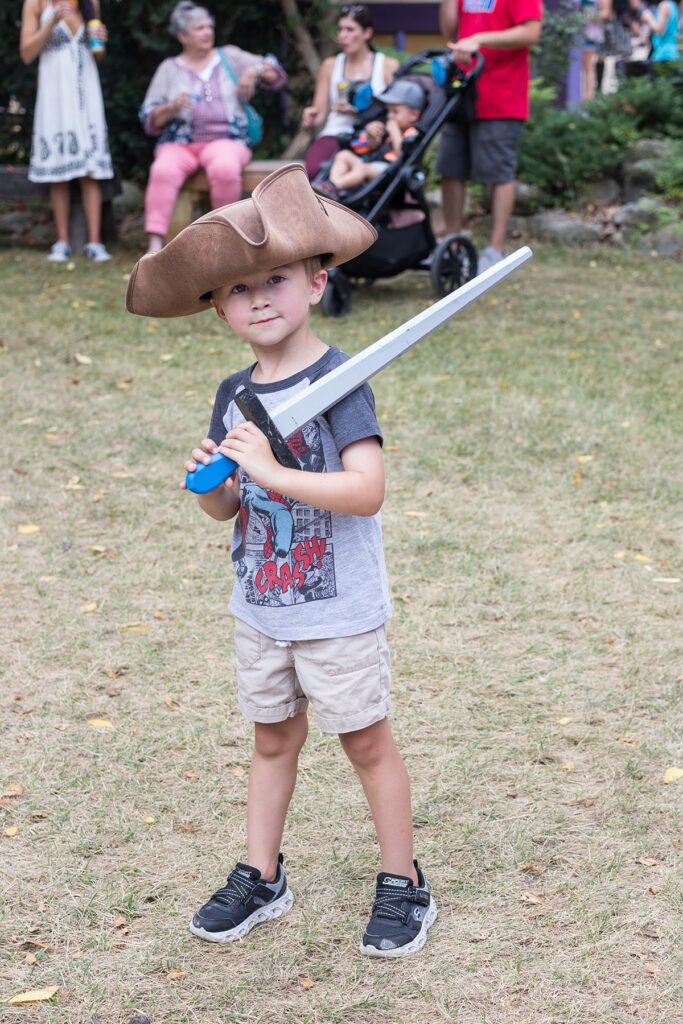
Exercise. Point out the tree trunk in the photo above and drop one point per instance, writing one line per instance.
(302, 37)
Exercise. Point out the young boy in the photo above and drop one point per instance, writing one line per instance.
(405, 102)
(311, 599)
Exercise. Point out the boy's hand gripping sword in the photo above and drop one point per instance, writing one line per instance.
(292, 414)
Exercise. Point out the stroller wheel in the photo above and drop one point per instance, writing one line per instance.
(454, 263)
(336, 300)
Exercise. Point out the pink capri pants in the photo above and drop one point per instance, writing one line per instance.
(174, 162)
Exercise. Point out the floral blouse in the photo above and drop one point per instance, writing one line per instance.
(173, 77)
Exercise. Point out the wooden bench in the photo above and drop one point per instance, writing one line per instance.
(14, 184)
(196, 190)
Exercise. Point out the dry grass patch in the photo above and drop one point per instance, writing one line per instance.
(533, 455)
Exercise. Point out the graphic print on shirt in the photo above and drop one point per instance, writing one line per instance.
(285, 554)
(479, 6)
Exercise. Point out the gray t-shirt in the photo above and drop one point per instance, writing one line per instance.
(304, 573)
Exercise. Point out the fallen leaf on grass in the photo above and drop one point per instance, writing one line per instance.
(90, 607)
(149, 820)
(77, 954)
(33, 944)
(306, 982)
(565, 720)
(30, 959)
(100, 723)
(567, 767)
(642, 558)
(183, 826)
(648, 935)
(29, 528)
(119, 921)
(627, 739)
(673, 774)
(14, 789)
(158, 615)
(191, 775)
(172, 975)
(531, 869)
(531, 897)
(415, 515)
(83, 360)
(652, 968)
(238, 771)
(36, 995)
(11, 831)
(649, 862)
(134, 627)
(171, 703)
(653, 889)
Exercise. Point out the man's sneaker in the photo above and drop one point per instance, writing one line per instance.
(244, 901)
(401, 915)
(96, 252)
(59, 253)
(488, 258)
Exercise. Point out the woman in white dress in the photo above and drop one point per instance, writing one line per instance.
(69, 128)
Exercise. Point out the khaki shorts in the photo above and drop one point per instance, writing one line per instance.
(346, 678)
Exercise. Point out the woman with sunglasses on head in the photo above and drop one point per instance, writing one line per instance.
(69, 128)
(358, 64)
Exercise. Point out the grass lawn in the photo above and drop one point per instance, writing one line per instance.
(533, 451)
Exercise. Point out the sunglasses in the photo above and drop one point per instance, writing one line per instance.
(352, 9)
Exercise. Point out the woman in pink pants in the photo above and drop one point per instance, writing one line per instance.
(194, 105)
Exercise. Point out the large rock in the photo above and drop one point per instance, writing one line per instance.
(558, 226)
(640, 214)
(641, 165)
(527, 199)
(599, 193)
(669, 240)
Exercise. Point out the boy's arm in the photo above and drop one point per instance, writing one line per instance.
(224, 501)
(395, 136)
(357, 490)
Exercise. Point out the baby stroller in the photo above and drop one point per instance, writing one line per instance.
(395, 203)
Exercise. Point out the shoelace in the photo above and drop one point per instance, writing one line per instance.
(237, 889)
(390, 904)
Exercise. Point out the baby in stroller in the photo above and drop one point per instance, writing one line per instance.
(380, 145)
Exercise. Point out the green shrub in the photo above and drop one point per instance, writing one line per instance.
(563, 150)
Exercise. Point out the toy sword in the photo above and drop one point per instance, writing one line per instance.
(317, 398)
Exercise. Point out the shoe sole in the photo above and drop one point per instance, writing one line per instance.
(268, 913)
(410, 947)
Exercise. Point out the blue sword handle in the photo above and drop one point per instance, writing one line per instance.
(208, 476)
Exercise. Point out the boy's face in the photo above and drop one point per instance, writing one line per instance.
(269, 306)
(402, 114)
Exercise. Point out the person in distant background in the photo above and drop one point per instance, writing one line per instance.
(69, 127)
(486, 148)
(194, 105)
(664, 27)
(357, 64)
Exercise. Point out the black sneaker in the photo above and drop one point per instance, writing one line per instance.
(245, 900)
(401, 914)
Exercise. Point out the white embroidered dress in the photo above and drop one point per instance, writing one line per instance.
(69, 128)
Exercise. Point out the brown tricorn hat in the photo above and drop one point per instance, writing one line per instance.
(283, 222)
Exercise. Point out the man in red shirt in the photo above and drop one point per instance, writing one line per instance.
(485, 149)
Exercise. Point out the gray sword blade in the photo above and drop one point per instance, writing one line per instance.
(320, 396)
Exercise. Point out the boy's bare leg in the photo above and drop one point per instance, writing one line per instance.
(272, 778)
(374, 755)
